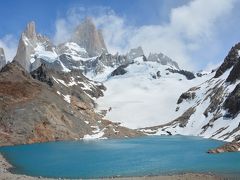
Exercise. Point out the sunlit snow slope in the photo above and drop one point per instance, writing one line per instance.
(145, 95)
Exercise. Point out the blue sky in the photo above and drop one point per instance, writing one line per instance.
(196, 33)
(15, 14)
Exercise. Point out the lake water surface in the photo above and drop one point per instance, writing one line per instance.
(157, 155)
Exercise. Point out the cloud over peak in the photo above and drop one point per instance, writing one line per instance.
(191, 28)
(9, 44)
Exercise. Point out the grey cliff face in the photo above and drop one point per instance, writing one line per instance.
(109, 60)
(30, 31)
(2, 58)
(26, 46)
(87, 36)
(162, 59)
(28, 42)
(134, 53)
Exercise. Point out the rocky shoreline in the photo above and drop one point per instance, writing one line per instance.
(228, 147)
(5, 174)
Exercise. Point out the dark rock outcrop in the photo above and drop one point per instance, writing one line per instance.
(186, 96)
(41, 75)
(189, 75)
(144, 58)
(120, 70)
(232, 103)
(235, 73)
(229, 61)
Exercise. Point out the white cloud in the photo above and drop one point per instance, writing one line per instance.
(117, 34)
(191, 28)
(62, 33)
(212, 66)
(74, 16)
(9, 44)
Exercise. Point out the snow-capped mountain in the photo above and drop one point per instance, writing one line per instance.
(143, 93)
(212, 108)
(46, 97)
(30, 42)
(149, 93)
(140, 82)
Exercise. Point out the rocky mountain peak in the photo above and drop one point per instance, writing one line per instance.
(29, 43)
(2, 58)
(230, 60)
(30, 30)
(89, 37)
(162, 59)
(135, 52)
(26, 45)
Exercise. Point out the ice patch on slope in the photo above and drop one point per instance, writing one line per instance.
(67, 98)
(74, 48)
(41, 53)
(97, 134)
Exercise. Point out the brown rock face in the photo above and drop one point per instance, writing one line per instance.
(87, 36)
(33, 111)
(2, 58)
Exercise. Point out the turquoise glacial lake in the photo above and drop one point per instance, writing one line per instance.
(157, 155)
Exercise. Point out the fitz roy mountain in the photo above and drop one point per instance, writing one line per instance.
(78, 90)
